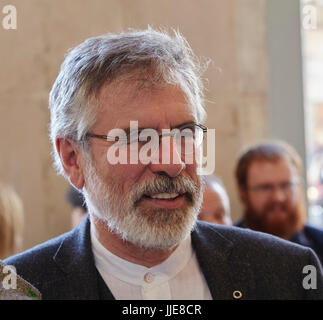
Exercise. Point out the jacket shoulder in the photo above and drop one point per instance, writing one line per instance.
(314, 232)
(252, 245)
(38, 261)
(261, 265)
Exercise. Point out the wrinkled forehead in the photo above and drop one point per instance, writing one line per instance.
(151, 104)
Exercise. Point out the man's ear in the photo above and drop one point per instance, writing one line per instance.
(70, 155)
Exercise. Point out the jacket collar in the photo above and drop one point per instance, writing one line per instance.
(74, 257)
(214, 252)
(224, 273)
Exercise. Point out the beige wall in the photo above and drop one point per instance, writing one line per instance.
(231, 33)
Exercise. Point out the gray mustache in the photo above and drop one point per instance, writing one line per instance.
(161, 184)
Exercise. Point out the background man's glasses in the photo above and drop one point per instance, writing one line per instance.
(266, 188)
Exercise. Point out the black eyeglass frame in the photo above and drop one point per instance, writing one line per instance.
(170, 134)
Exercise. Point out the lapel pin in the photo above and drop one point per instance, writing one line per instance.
(237, 294)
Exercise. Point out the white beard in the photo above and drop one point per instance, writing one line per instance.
(146, 228)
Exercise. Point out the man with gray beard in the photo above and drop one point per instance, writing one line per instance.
(127, 129)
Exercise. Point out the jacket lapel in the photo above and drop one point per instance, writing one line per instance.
(226, 277)
(75, 258)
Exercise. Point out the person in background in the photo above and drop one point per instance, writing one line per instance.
(216, 204)
(269, 179)
(79, 210)
(11, 222)
(11, 235)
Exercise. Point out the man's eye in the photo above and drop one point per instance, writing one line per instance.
(139, 139)
(118, 140)
(265, 187)
(113, 139)
(144, 138)
(286, 185)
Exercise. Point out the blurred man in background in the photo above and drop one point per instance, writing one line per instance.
(216, 204)
(269, 179)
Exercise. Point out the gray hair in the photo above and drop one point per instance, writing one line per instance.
(100, 60)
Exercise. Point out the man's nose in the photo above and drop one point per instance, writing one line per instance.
(279, 194)
(167, 159)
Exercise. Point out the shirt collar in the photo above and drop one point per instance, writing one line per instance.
(137, 274)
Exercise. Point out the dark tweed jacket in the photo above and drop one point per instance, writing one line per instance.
(259, 265)
(309, 236)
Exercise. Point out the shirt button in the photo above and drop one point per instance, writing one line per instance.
(149, 278)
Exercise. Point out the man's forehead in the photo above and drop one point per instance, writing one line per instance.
(270, 171)
(156, 108)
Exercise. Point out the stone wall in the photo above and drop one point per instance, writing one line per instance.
(231, 33)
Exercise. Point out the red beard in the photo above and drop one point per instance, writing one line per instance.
(279, 219)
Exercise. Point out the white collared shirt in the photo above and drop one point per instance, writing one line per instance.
(177, 278)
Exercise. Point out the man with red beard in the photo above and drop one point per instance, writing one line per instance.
(269, 178)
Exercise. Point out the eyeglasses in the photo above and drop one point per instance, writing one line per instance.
(267, 188)
(186, 137)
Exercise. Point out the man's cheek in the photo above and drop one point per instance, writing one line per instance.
(191, 170)
(261, 207)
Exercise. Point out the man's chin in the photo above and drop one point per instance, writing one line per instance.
(148, 228)
(278, 223)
